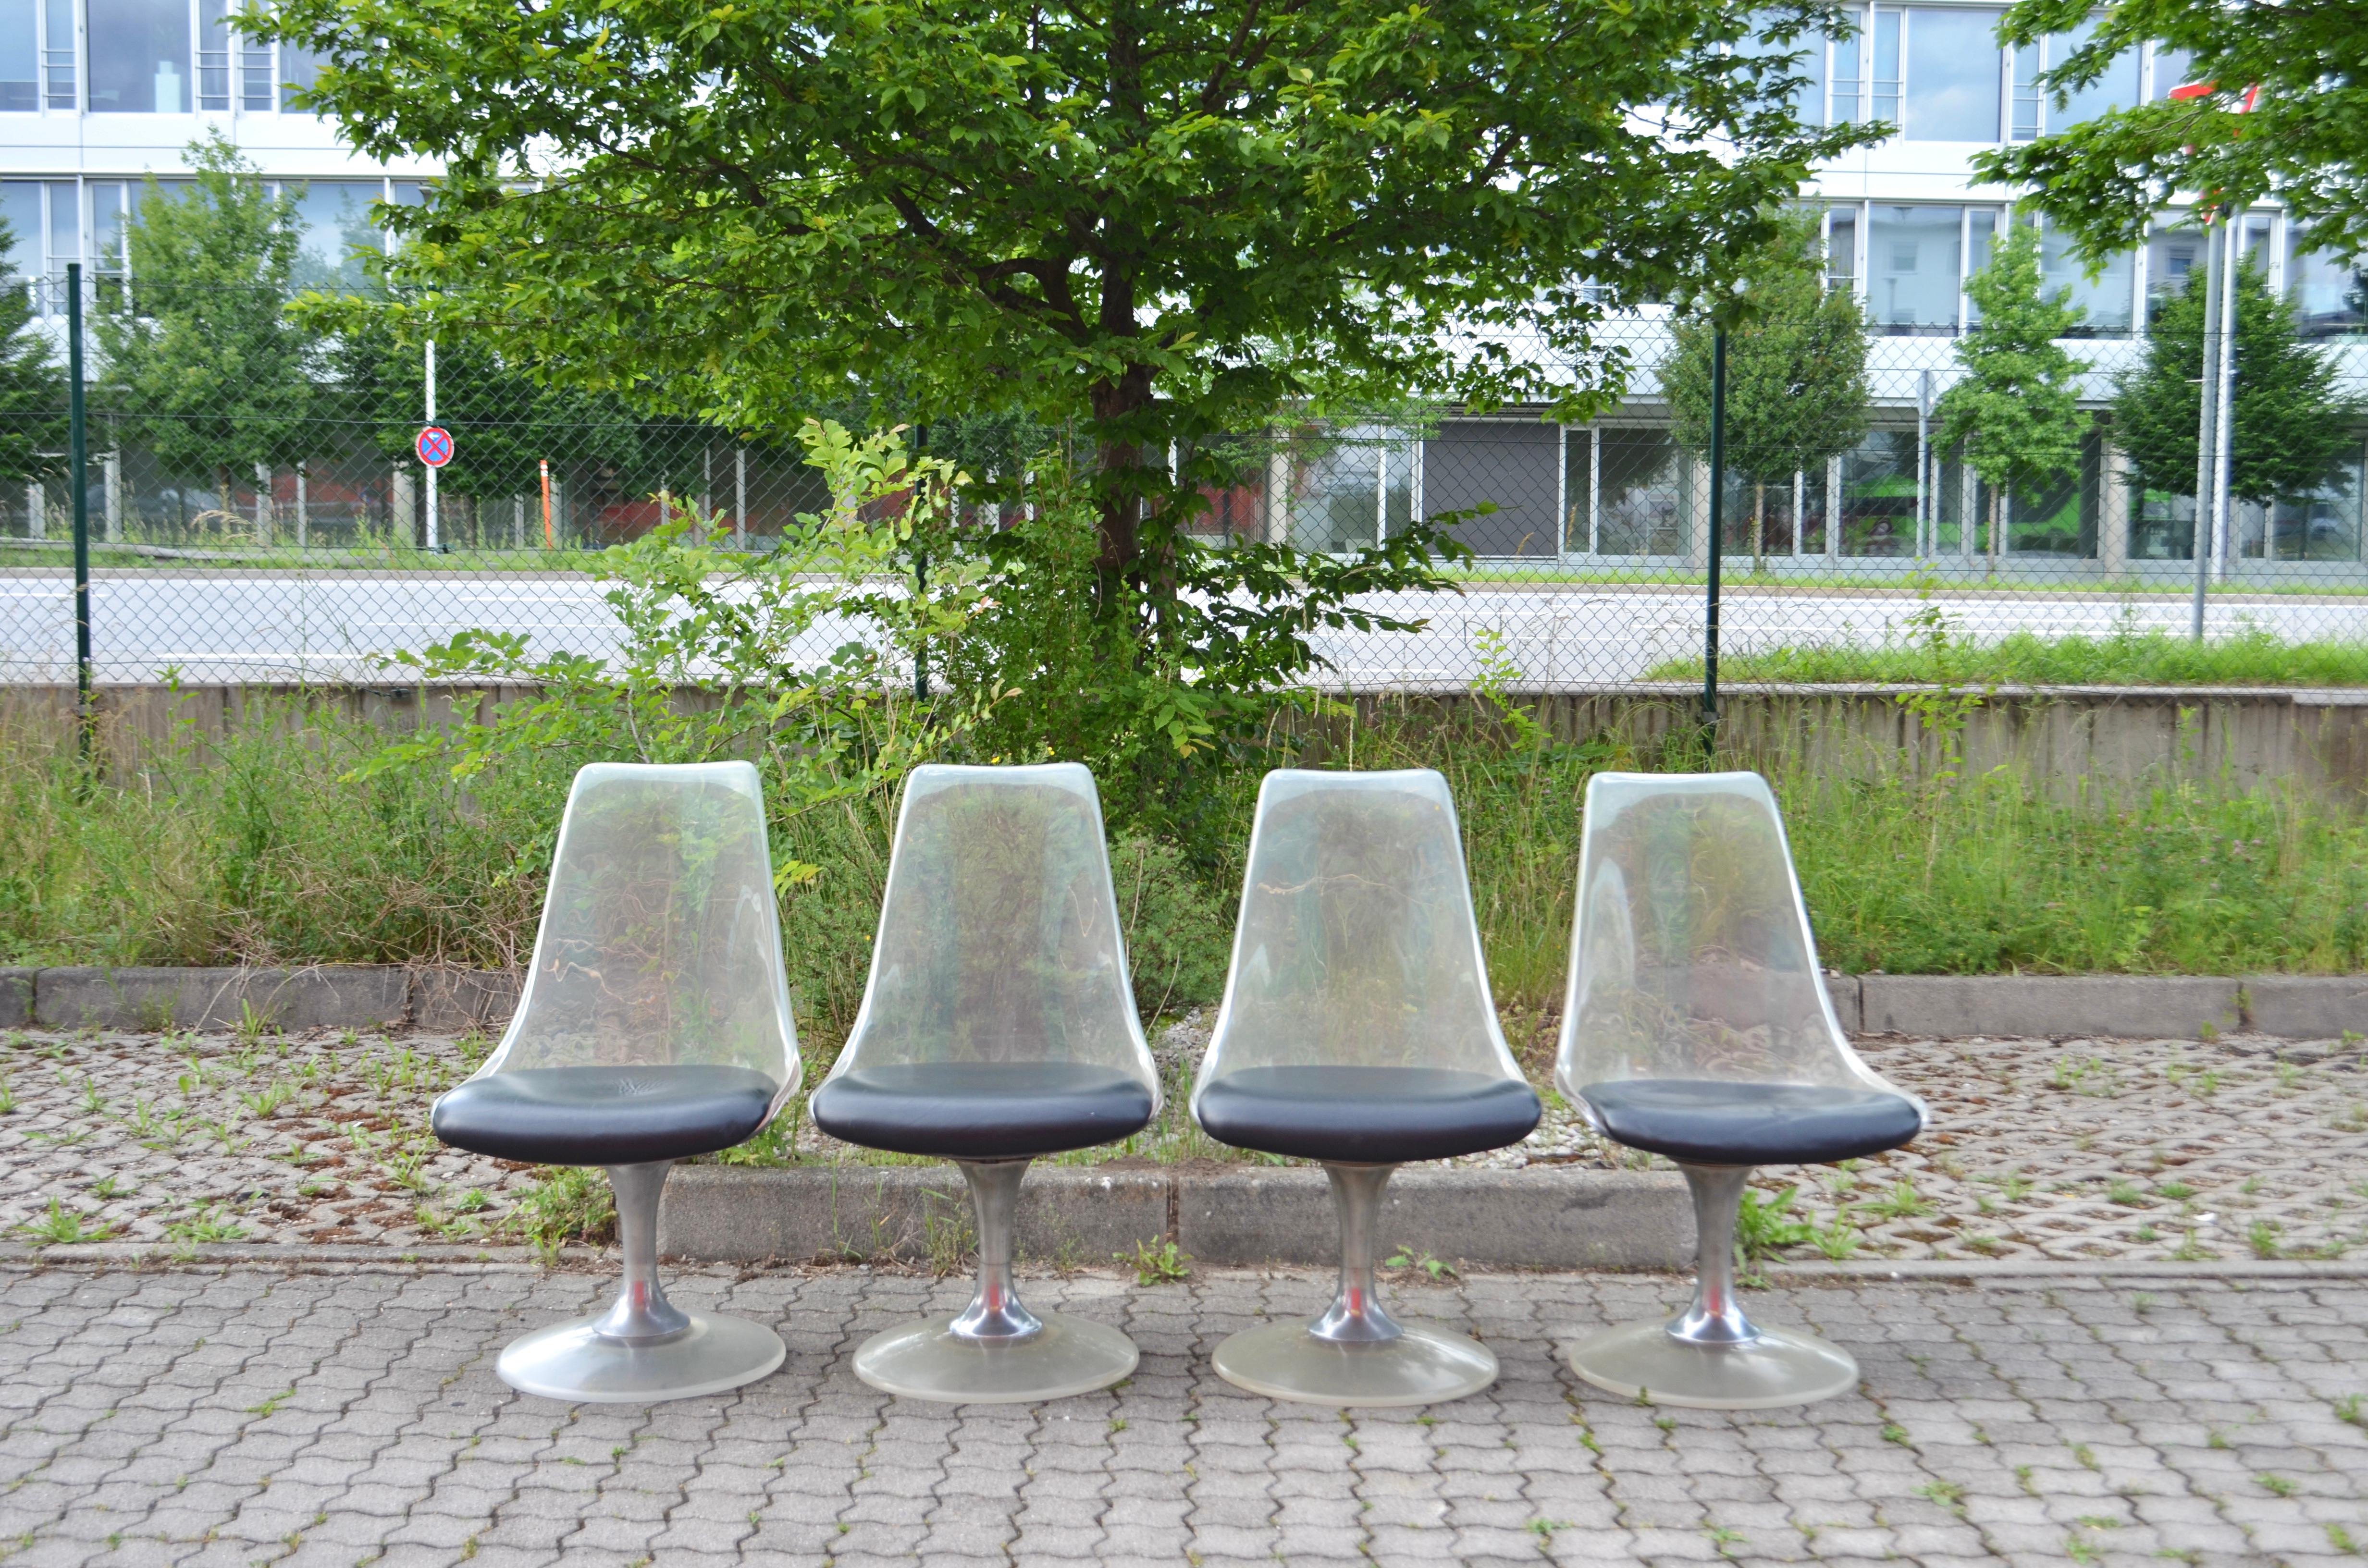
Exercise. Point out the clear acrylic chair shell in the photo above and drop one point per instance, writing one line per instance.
(998, 1024)
(655, 1023)
(1697, 1024)
(1357, 1030)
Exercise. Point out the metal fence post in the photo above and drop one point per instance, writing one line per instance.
(1717, 524)
(78, 457)
(2208, 386)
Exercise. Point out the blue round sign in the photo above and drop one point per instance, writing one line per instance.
(434, 446)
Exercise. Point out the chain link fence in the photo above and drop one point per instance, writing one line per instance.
(261, 517)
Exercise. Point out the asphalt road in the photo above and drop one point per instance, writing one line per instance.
(279, 627)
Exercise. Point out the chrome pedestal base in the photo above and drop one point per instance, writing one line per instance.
(996, 1351)
(573, 1362)
(1356, 1353)
(1710, 1356)
(643, 1348)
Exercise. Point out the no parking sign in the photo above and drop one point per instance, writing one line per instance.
(434, 446)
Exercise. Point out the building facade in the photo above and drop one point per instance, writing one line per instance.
(96, 97)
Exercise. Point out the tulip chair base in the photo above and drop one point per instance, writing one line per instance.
(1422, 1366)
(1710, 1356)
(643, 1348)
(928, 1360)
(1642, 1360)
(575, 1362)
(996, 1351)
(1356, 1353)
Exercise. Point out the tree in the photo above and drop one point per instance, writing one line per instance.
(1796, 392)
(32, 386)
(2290, 426)
(201, 361)
(2016, 411)
(1160, 224)
(2302, 67)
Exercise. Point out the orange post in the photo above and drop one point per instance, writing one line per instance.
(549, 542)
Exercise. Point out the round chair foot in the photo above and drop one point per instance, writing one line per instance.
(1779, 1367)
(1423, 1366)
(568, 1361)
(927, 1360)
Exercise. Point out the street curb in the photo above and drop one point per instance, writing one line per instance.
(1940, 1006)
(1079, 1215)
(2044, 1269)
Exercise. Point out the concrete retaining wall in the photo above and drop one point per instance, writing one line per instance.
(2066, 736)
(1539, 1217)
(446, 1000)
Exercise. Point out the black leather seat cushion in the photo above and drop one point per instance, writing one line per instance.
(604, 1116)
(1713, 1122)
(1367, 1114)
(981, 1111)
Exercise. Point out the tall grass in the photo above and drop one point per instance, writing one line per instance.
(2126, 656)
(258, 848)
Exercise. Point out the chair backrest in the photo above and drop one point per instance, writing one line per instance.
(1692, 955)
(1357, 946)
(1000, 937)
(660, 944)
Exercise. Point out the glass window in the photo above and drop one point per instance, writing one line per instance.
(2117, 88)
(20, 205)
(2170, 70)
(1846, 109)
(1981, 233)
(2027, 93)
(58, 51)
(1641, 492)
(2324, 525)
(1841, 245)
(109, 204)
(334, 219)
(213, 55)
(1878, 500)
(1885, 100)
(20, 48)
(1911, 269)
(1515, 465)
(298, 69)
(2104, 301)
(2330, 296)
(1809, 61)
(66, 225)
(2174, 251)
(254, 68)
(1952, 76)
(139, 57)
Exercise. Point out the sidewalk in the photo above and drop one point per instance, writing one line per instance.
(351, 1416)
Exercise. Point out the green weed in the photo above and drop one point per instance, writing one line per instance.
(1160, 1265)
(62, 1227)
(1406, 1257)
(565, 1203)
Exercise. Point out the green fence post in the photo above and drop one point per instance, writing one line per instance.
(1717, 528)
(78, 457)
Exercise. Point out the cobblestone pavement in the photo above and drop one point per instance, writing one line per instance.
(257, 1415)
(2079, 1149)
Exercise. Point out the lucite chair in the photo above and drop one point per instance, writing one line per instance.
(655, 1024)
(1358, 1031)
(1697, 1026)
(998, 1025)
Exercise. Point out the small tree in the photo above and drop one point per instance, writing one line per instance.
(2289, 426)
(1796, 392)
(32, 386)
(201, 358)
(2017, 411)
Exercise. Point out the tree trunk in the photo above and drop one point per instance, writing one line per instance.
(1997, 517)
(1758, 529)
(1119, 406)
